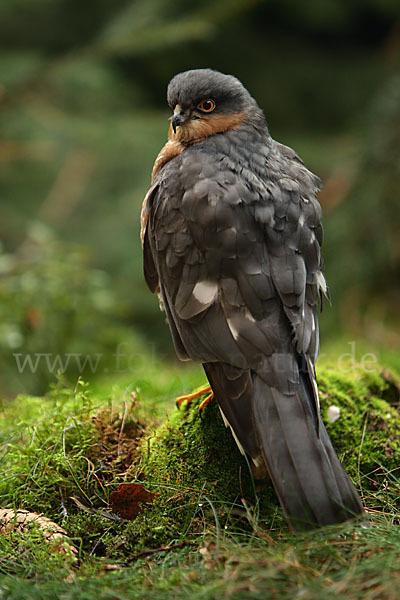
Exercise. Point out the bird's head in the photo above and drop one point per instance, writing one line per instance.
(205, 102)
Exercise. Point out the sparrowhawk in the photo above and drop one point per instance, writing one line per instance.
(231, 233)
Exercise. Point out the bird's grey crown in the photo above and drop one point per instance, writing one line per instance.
(191, 87)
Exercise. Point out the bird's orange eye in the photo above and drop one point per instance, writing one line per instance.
(207, 105)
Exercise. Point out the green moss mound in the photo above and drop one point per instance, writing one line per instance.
(193, 454)
(192, 459)
(366, 435)
(66, 454)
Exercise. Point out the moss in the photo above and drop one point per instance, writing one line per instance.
(27, 554)
(45, 456)
(192, 455)
(64, 447)
(194, 463)
(367, 434)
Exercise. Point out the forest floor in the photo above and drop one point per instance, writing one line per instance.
(148, 507)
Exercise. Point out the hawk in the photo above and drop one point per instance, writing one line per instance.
(231, 233)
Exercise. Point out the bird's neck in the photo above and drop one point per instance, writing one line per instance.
(195, 131)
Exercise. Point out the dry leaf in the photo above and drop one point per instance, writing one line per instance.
(208, 552)
(128, 500)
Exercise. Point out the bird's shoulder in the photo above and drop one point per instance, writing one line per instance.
(240, 168)
(223, 163)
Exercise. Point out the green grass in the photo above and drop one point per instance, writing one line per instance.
(205, 535)
(352, 561)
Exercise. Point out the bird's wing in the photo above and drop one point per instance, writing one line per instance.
(239, 265)
(240, 268)
(294, 237)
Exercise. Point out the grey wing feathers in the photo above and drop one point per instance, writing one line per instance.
(240, 270)
(241, 274)
(233, 390)
(294, 239)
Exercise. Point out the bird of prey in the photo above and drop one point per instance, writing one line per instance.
(231, 233)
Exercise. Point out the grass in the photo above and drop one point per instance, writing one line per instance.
(205, 535)
(352, 561)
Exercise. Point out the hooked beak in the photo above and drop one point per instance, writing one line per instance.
(177, 121)
(178, 118)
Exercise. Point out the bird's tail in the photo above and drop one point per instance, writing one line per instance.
(311, 484)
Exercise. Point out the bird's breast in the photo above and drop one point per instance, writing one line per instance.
(171, 149)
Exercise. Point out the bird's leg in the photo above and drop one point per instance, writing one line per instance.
(189, 397)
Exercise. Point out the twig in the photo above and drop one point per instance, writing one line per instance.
(161, 549)
(94, 511)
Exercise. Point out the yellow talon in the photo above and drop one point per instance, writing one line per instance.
(189, 397)
(206, 401)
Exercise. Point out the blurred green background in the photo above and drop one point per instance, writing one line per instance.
(83, 115)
